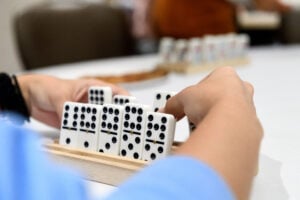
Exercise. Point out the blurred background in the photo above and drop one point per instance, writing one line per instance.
(9, 56)
(39, 33)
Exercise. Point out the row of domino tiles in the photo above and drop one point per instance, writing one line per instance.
(206, 50)
(118, 125)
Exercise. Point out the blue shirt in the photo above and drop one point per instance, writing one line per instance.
(25, 173)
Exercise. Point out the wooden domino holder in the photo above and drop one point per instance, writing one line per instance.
(188, 68)
(113, 170)
(96, 166)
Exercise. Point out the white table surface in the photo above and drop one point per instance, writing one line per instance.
(275, 73)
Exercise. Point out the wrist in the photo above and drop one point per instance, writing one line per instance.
(239, 115)
(11, 97)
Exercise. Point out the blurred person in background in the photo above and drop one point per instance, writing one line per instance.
(192, 18)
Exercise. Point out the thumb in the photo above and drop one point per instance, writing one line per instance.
(174, 106)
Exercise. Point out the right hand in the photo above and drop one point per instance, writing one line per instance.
(228, 133)
(222, 85)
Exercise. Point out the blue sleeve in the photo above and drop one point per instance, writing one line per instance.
(176, 177)
(25, 172)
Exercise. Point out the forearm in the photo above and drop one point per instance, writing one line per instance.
(228, 134)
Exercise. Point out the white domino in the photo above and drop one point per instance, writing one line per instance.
(208, 49)
(229, 46)
(166, 47)
(100, 95)
(180, 51)
(123, 99)
(88, 120)
(69, 126)
(195, 51)
(110, 129)
(242, 43)
(160, 99)
(159, 135)
(219, 42)
(133, 128)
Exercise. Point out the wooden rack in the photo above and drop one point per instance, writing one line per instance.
(96, 166)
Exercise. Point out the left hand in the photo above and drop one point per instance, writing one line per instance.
(45, 95)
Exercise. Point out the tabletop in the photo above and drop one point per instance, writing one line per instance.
(274, 72)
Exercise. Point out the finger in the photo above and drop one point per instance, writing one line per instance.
(249, 88)
(250, 92)
(219, 72)
(174, 106)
